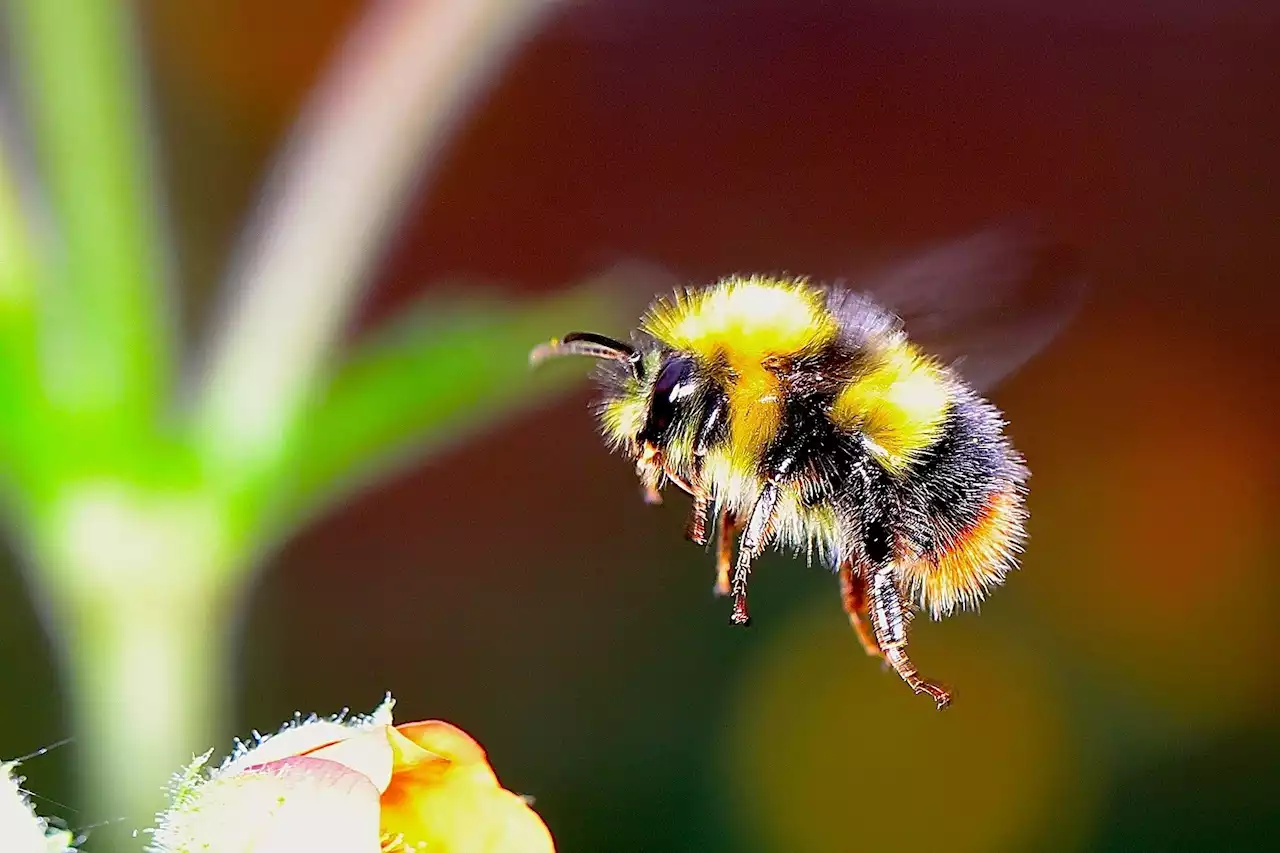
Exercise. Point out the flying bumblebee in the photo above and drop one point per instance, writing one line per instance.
(845, 423)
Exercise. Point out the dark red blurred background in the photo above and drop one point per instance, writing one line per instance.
(1120, 693)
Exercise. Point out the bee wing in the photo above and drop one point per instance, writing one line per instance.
(985, 304)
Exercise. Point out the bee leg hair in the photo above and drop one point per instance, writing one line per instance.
(699, 517)
(727, 527)
(755, 537)
(889, 618)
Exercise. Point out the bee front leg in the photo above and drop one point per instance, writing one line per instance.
(889, 619)
(755, 537)
(696, 530)
(649, 470)
(701, 515)
(853, 594)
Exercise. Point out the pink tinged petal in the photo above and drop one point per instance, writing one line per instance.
(294, 804)
(295, 740)
(367, 752)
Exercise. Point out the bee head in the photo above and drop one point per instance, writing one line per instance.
(649, 395)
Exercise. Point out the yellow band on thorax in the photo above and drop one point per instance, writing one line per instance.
(737, 326)
(899, 405)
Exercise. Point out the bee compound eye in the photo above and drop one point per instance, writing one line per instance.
(674, 383)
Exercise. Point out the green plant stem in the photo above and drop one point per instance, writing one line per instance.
(78, 65)
(16, 269)
(131, 579)
(149, 687)
(19, 371)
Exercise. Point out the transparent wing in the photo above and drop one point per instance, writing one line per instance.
(985, 304)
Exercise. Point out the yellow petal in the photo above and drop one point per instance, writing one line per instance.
(445, 797)
(444, 739)
(408, 757)
(457, 816)
(436, 741)
(516, 827)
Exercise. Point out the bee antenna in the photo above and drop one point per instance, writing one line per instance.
(589, 344)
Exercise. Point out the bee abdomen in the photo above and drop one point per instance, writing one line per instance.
(964, 510)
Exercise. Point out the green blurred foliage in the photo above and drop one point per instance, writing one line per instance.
(141, 507)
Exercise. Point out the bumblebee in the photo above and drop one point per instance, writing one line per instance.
(845, 423)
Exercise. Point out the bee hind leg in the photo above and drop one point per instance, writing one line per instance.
(889, 619)
(853, 594)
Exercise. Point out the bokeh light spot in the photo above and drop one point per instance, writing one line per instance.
(1153, 553)
(827, 752)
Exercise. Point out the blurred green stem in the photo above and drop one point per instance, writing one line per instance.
(144, 513)
(79, 62)
(19, 372)
(132, 577)
(16, 288)
(153, 686)
(372, 130)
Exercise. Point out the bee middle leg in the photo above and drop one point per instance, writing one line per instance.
(889, 619)
(727, 527)
(853, 594)
(755, 536)
(695, 529)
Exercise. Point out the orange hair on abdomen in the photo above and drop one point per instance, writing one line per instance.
(961, 571)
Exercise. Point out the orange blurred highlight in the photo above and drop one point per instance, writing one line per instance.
(827, 751)
(203, 44)
(1153, 551)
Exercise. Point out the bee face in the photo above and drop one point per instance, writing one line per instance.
(815, 418)
(671, 399)
(652, 413)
